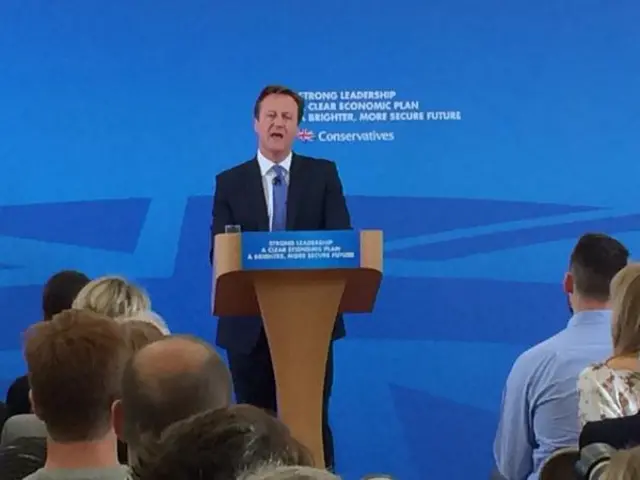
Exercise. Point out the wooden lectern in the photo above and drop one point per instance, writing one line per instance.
(299, 309)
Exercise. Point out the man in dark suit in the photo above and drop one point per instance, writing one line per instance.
(276, 190)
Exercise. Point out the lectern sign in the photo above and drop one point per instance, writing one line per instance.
(297, 282)
(300, 250)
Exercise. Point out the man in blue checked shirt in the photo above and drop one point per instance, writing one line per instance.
(540, 400)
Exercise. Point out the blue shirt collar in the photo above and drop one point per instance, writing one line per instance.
(590, 317)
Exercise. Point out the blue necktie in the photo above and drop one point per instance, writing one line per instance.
(279, 220)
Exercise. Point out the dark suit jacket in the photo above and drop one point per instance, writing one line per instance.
(315, 201)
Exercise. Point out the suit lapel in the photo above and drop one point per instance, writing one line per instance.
(297, 182)
(256, 196)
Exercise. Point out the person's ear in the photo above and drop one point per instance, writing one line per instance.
(567, 284)
(34, 407)
(117, 417)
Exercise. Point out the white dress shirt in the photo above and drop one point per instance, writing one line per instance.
(268, 174)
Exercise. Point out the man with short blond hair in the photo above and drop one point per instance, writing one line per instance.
(75, 364)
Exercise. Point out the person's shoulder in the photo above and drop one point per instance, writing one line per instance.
(541, 351)
(594, 372)
(314, 162)
(236, 170)
(556, 352)
(536, 357)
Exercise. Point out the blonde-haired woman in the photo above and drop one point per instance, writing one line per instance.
(624, 465)
(612, 389)
(113, 297)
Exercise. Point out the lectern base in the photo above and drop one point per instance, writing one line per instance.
(299, 310)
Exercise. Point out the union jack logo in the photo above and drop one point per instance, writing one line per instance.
(306, 135)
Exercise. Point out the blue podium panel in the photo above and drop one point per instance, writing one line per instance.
(300, 250)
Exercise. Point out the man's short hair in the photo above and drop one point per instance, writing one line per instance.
(595, 260)
(221, 444)
(61, 290)
(275, 472)
(75, 364)
(278, 90)
(154, 396)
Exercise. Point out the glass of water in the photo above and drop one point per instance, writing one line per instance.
(232, 229)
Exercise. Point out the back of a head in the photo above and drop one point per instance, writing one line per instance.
(149, 317)
(624, 465)
(595, 260)
(61, 290)
(112, 296)
(169, 380)
(138, 334)
(288, 473)
(560, 465)
(75, 364)
(221, 444)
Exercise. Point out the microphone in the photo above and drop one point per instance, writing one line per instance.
(276, 181)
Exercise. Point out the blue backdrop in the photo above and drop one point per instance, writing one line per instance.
(115, 117)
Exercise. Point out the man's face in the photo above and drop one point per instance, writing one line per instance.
(277, 125)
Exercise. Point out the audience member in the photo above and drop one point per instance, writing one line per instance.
(274, 472)
(624, 465)
(149, 317)
(611, 388)
(166, 381)
(58, 294)
(61, 290)
(220, 444)
(24, 447)
(138, 334)
(23, 425)
(112, 296)
(540, 400)
(75, 364)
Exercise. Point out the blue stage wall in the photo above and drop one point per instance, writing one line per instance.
(115, 117)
